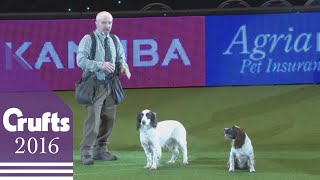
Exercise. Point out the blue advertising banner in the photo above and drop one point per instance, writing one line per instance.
(262, 49)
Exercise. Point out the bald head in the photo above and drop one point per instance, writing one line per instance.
(104, 22)
(103, 14)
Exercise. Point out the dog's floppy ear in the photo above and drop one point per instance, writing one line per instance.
(153, 118)
(139, 117)
(240, 137)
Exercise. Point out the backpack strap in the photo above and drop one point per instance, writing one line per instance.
(93, 45)
(115, 41)
(113, 37)
(92, 53)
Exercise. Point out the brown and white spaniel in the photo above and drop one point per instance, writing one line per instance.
(241, 154)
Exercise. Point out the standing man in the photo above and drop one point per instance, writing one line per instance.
(109, 55)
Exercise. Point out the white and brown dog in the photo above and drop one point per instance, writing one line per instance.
(241, 154)
(155, 135)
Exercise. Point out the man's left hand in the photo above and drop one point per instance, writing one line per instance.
(126, 71)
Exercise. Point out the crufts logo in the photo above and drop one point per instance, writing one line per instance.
(19, 122)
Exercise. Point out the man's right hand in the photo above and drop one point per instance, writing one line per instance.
(107, 66)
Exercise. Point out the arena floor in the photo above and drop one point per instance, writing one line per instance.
(281, 120)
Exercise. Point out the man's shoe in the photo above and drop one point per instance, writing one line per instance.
(105, 156)
(86, 160)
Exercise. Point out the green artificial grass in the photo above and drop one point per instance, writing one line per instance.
(281, 120)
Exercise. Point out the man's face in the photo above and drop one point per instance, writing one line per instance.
(104, 24)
